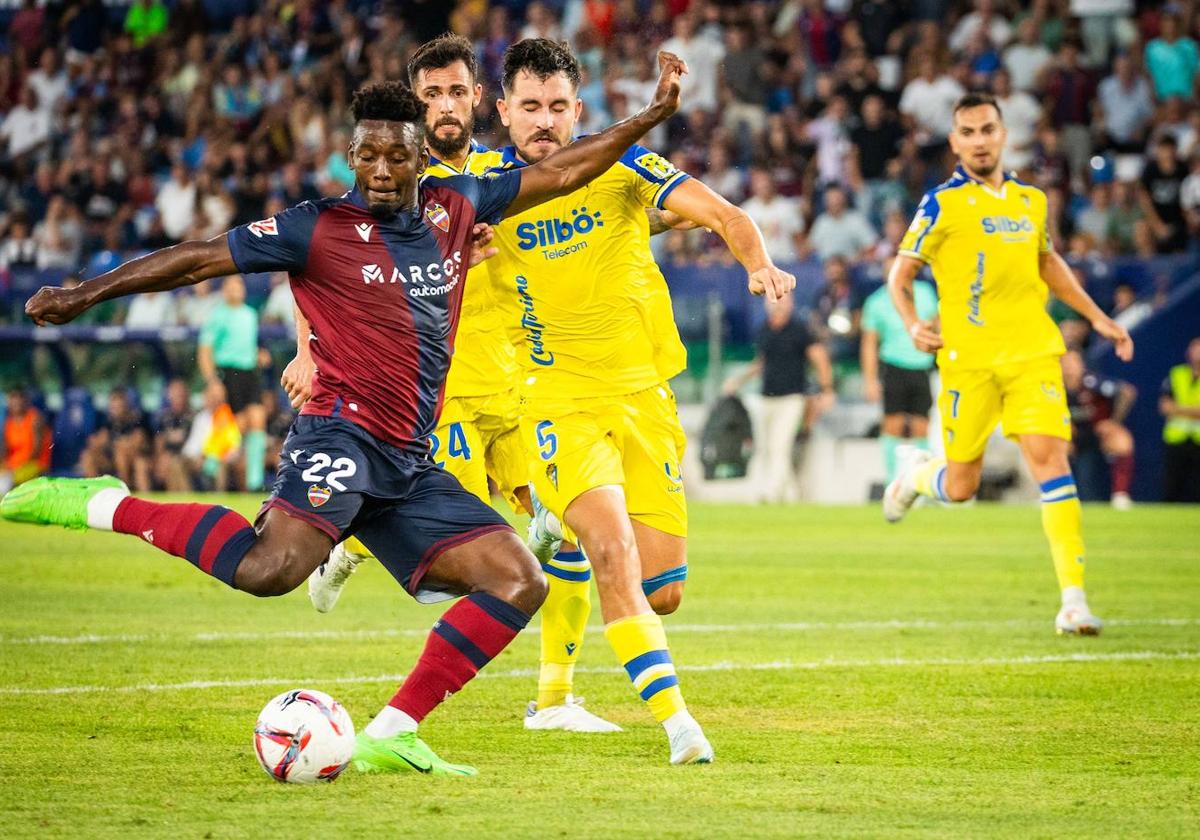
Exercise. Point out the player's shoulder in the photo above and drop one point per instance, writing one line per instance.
(946, 190)
(1024, 190)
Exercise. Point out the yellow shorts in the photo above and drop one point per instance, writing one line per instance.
(634, 441)
(479, 437)
(1026, 398)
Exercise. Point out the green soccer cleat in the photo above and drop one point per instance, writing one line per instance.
(56, 501)
(402, 752)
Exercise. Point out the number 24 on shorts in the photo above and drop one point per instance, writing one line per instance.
(458, 447)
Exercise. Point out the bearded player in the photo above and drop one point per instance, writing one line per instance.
(984, 234)
(597, 343)
(378, 274)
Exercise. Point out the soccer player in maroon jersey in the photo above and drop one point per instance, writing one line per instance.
(378, 273)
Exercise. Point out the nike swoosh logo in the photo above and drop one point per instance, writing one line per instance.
(412, 764)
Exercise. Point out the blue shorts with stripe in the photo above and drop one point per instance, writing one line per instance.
(340, 479)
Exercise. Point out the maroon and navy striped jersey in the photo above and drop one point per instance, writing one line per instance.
(382, 295)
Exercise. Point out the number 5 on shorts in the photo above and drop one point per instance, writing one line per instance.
(547, 441)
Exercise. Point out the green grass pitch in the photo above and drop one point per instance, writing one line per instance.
(856, 679)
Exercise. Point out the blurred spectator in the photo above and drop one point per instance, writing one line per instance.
(895, 372)
(171, 471)
(49, 81)
(1070, 90)
(1021, 114)
(196, 303)
(778, 218)
(1180, 405)
(837, 315)
(18, 249)
(1189, 197)
(1098, 408)
(59, 236)
(1096, 219)
(841, 231)
(280, 305)
(1173, 60)
(176, 203)
(985, 21)
(120, 446)
(151, 311)
(27, 126)
(876, 139)
(928, 102)
(213, 441)
(28, 26)
(703, 56)
(722, 178)
(27, 442)
(228, 353)
(279, 422)
(1126, 106)
(745, 105)
(1128, 311)
(1028, 57)
(785, 348)
(1161, 185)
(1127, 217)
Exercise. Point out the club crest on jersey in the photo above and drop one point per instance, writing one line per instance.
(438, 217)
(552, 474)
(264, 227)
(318, 495)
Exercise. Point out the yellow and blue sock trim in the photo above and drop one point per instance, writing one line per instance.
(1059, 489)
(653, 584)
(651, 673)
(571, 566)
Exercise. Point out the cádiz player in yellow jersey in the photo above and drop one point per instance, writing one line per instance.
(597, 342)
(984, 234)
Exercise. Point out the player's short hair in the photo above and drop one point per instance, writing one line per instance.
(542, 58)
(975, 99)
(390, 101)
(443, 51)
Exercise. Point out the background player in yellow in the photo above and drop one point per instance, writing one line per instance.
(984, 234)
(586, 304)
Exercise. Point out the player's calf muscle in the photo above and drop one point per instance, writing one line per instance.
(271, 569)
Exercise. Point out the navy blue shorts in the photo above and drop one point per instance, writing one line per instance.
(405, 509)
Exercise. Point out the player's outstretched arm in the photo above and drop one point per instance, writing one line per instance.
(694, 201)
(571, 167)
(1062, 281)
(900, 286)
(184, 264)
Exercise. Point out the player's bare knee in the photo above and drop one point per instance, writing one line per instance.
(268, 573)
(516, 578)
(610, 552)
(666, 600)
(961, 489)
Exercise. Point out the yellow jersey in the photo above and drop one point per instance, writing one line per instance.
(983, 247)
(485, 361)
(585, 302)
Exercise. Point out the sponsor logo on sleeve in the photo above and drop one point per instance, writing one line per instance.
(264, 227)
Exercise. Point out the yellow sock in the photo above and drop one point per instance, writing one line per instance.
(641, 645)
(354, 546)
(1062, 520)
(564, 619)
(929, 479)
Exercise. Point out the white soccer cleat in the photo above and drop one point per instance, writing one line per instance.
(901, 494)
(1121, 501)
(544, 537)
(1077, 620)
(327, 580)
(569, 717)
(689, 746)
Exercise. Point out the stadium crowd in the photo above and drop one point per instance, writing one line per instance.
(127, 127)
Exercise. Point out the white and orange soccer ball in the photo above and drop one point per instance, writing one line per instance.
(304, 736)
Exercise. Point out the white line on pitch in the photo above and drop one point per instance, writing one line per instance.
(820, 664)
(388, 633)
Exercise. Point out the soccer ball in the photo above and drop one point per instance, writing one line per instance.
(304, 737)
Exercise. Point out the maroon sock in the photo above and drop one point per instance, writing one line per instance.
(212, 538)
(1121, 470)
(463, 640)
